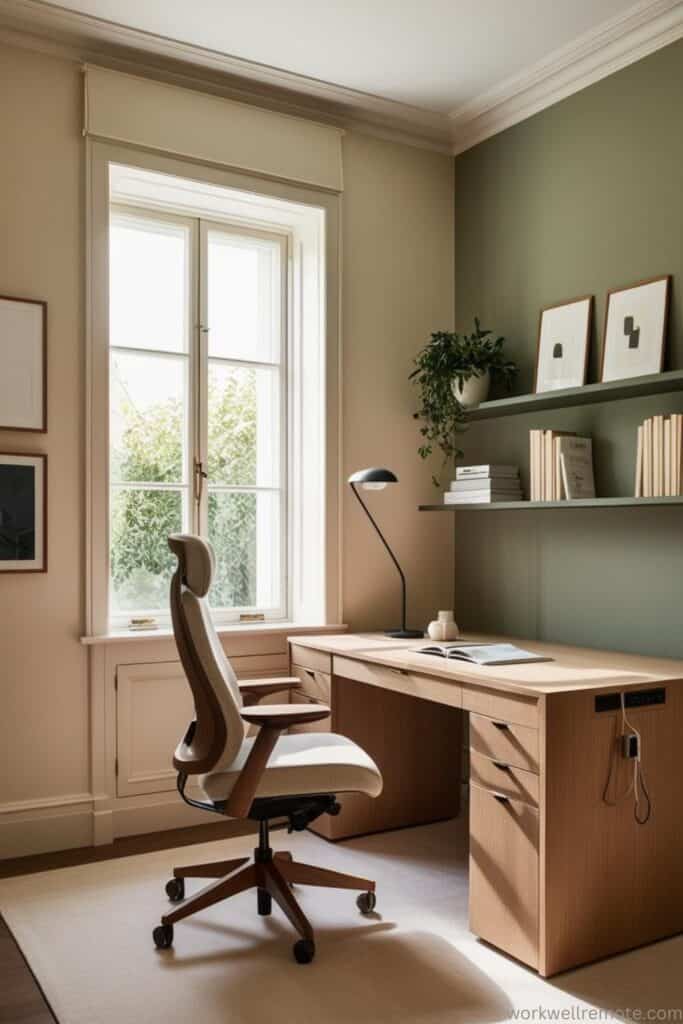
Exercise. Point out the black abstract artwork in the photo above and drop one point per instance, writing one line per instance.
(17, 513)
(632, 332)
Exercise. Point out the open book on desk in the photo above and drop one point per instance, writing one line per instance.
(483, 654)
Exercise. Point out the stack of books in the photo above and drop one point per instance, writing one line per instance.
(659, 460)
(477, 485)
(561, 466)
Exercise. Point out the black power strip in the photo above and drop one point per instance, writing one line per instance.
(632, 699)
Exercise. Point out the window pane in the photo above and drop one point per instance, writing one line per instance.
(148, 427)
(149, 284)
(243, 298)
(141, 562)
(244, 425)
(244, 528)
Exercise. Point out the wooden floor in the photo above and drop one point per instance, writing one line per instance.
(21, 1000)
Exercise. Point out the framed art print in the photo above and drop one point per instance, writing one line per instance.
(635, 329)
(23, 513)
(563, 335)
(23, 364)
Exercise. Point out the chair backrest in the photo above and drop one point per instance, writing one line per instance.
(220, 730)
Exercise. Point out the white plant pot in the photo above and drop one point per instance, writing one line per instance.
(473, 392)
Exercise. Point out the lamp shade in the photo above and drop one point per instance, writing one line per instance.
(373, 475)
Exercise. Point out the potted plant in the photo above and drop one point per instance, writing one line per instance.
(453, 373)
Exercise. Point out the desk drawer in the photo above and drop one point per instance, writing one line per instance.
(412, 684)
(511, 744)
(308, 657)
(317, 685)
(499, 777)
(323, 725)
(507, 707)
(504, 874)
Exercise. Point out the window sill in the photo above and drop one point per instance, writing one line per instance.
(125, 636)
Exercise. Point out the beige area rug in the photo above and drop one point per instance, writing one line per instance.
(86, 932)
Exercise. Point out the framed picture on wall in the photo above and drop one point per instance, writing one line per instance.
(635, 329)
(563, 336)
(23, 364)
(23, 513)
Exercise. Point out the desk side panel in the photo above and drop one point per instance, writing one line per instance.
(608, 883)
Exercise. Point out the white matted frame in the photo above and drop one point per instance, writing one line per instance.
(23, 364)
(314, 435)
(635, 329)
(563, 339)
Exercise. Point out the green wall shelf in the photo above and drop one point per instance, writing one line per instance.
(589, 394)
(518, 506)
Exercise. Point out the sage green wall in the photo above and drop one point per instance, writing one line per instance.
(580, 198)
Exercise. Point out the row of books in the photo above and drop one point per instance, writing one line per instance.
(659, 459)
(476, 485)
(561, 465)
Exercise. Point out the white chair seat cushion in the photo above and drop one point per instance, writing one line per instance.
(304, 762)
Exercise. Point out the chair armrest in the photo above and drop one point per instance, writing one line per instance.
(281, 716)
(272, 718)
(254, 689)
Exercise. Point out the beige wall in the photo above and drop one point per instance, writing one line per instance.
(397, 288)
(398, 285)
(43, 667)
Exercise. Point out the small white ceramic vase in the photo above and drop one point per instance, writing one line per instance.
(473, 391)
(444, 627)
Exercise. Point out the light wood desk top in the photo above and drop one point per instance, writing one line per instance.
(572, 668)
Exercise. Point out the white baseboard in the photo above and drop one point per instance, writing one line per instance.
(43, 827)
(130, 819)
(70, 822)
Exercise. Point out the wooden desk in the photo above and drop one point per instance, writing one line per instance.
(558, 876)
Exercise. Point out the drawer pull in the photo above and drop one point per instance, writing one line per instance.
(501, 767)
(310, 672)
(501, 798)
(398, 671)
(501, 725)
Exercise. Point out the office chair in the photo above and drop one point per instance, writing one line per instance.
(269, 776)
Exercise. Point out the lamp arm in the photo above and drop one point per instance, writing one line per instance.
(391, 555)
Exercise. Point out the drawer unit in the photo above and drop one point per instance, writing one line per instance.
(508, 707)
(504, 873)
(313, 683)
(398, 680)
(512, 744)
(499, 777)
(323, 725)
(307, 657)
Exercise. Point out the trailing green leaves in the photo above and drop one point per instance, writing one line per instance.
(449, 357)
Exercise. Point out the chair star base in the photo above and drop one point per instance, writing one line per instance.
(272, 874)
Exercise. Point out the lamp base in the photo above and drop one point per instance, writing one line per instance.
(405, 634)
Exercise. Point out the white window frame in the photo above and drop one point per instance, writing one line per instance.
(202, 448)
(313, 579)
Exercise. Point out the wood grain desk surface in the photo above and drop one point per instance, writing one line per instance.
(572, 668)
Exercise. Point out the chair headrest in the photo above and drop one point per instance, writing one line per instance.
(197, 561)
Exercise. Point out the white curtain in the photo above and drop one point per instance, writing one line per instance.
(126, 108)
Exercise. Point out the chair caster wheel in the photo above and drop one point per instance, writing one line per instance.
(366, 902)
(163, 936)
(175, 890)
(304, 951)
(264, 902)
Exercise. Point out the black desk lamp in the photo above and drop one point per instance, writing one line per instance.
(376, 480)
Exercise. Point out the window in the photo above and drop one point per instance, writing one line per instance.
(198, 426)
(212, 389)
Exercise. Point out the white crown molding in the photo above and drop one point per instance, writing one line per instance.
(70, 34)
(623, 40)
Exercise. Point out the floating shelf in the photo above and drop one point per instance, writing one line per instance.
(589, 394)
(518, 506)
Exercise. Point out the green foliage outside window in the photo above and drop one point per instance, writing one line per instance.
(141, 519)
